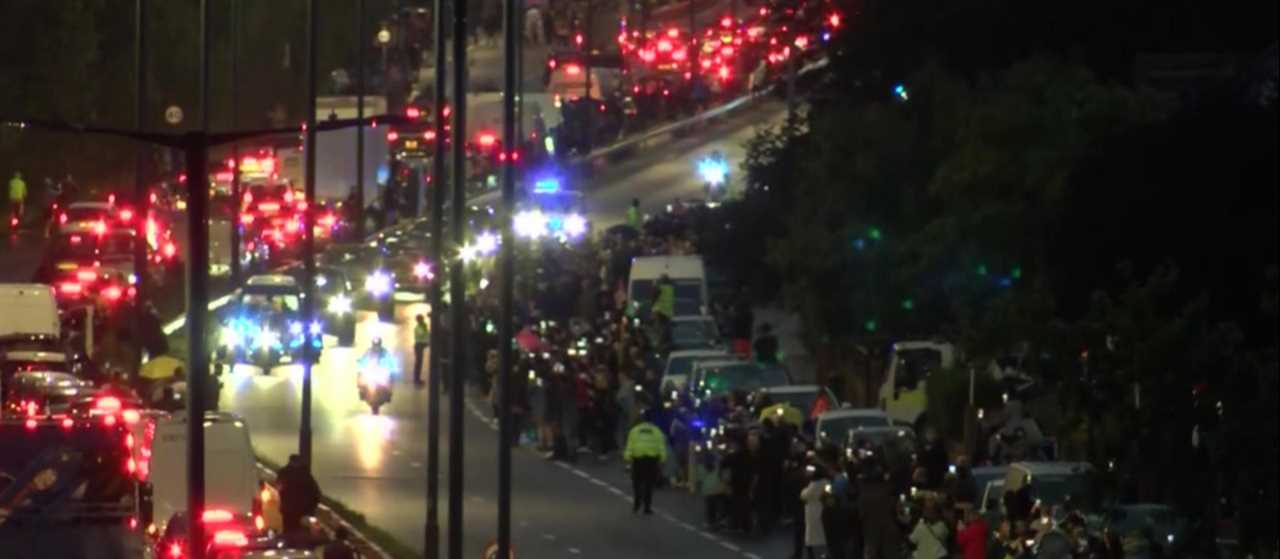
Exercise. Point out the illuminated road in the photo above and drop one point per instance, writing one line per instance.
(376, 464)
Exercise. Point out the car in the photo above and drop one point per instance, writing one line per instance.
(680, 364)
(85, 215)
(717, 378)
(1165, 525)
(233, 484)
(803, 397)
(43, 392)
(836, 426)
(550, 211)
(695, 332)
(335, 301)
(1053, 483)
(262, 326)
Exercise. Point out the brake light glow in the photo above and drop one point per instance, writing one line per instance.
(487, 139)
(392, 136)
(724, 72)
(269, 207)
(573, 69)
(31, 424)
(673, 32)
(86, 275)
(216, 515)
(429, 135)
(664, 46)
(551, 63)
(62, 218)
(412, 112)
(175, 550)
(834, 20)
(131, 416)
(107, 404)
(131, 466)
(170, 249)
(246, 219)
(109, 420)
(230, 538)
(100, 227)
(726, 21)
(70, 288)
(113, 293)
(67, 423)
(259, 523)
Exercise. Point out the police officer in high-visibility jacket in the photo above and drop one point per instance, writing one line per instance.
(646, 452)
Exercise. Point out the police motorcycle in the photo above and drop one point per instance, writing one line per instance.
(374, 376)
(714, 170)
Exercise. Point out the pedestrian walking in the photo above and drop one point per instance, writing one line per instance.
(815, 536)
(299, 493)
(17, 199)
(646, 451)
(534, 29)
(421, 340)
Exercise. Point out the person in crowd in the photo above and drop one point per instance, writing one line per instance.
(930, 536)
(714, 489)
(633, 214)
(876, 504)
(741, 479)
(766, 345)
(743, 321)
(971, 535)
(815, 537)
(646, 451)
(299, 493)
(602, 401)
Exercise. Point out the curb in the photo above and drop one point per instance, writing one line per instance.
(333, 517)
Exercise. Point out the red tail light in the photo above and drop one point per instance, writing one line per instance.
(246, 219)
(413, 112)
(673, 32)
(429, 135)
(726, 22)
(100, 227)
(67, 423)
(551, 64)
(573, 69)
(109, 420)
(131, 417)
(170, 249)
(487, 140)
(126, 215)
(392, 136)
(269, 207)
(70, 288)
(62, 218)
(31, 424)
(113, 293)
(175, 550)
(111, 199)
(86, 275)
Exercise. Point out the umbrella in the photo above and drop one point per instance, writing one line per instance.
(161, 368)
(783, 412)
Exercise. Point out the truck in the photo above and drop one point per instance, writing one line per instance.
(69, 487)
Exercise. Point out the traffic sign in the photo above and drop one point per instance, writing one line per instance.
(173, 115)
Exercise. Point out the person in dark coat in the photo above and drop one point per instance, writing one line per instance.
(299, 493)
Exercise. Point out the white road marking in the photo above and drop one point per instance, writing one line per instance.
(549, 537)
(575, 551)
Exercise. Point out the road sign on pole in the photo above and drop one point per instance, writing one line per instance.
(173, 115)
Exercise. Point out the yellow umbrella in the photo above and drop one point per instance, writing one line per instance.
(783, 412)
(161, 368)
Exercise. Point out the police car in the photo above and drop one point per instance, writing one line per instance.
(263, 325)
(552, 212)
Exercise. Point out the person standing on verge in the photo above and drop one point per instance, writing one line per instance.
(299, 493)
(646, 452)
(421, 340)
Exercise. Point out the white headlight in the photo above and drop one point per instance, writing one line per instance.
(532, 224)
(267, 338)
(575, 225)
(230, 337)
(378, 283)
(339, 304)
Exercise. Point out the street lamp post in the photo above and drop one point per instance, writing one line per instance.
(142, 201)
(198, 293)
(309, 239)
(434, 370)
(235, 147)
(358, 211)
(507, 272)
(457, 291)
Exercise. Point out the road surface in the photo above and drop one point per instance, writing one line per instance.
(376, 464)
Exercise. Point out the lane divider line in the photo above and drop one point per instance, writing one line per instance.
(665, 515)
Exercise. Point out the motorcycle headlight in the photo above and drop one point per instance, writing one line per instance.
(230, 337)
(378, 283)
(339, 304)
(267, 339)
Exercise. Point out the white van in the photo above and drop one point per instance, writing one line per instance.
(231, 475)
(29, 309)
(686, 272)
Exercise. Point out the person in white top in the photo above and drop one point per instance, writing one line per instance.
(929, 538)
(811, 495)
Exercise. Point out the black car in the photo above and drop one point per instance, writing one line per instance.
(335, 301)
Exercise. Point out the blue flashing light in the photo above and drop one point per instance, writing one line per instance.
(1006, 282)
(713, 171)
(900, 91)
(555, 223)
(546, 186)
(383, 174)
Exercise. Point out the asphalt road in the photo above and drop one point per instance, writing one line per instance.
(376, 464)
